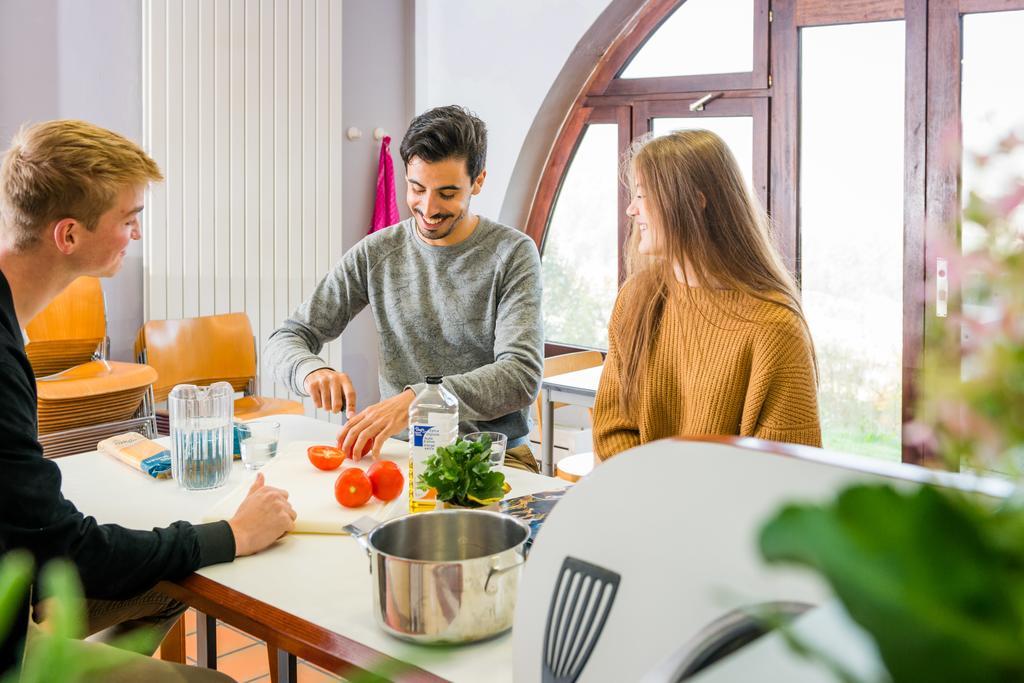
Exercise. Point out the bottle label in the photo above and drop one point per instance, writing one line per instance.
(447, 426)
(441, 429)
(424, 436)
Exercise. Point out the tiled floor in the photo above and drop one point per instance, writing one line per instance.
(243, 657)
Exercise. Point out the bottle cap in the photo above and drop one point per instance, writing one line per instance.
(434, 379)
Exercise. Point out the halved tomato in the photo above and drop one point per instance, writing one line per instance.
(325, 457)
(352, 488)
(386, 479)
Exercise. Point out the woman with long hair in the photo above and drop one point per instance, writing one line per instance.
(707, 335)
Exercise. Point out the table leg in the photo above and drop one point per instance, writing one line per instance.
(547, 440)
(206, 640)
(287, 667)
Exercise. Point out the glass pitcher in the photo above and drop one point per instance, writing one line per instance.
(201, 426)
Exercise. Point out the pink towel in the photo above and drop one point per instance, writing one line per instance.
(385, 206)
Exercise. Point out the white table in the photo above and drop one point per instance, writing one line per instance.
(578, 388)
(309, 594)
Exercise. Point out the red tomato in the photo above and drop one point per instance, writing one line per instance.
(386, 479)
(367, 447)
(325, 457)
(352, 488)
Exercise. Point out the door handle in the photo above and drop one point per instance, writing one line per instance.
(941, 287)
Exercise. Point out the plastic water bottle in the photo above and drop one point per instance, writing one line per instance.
(433, 422)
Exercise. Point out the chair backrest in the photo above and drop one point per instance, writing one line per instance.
(678, 522)
(69, 330)
(567, 362)
(201, 350)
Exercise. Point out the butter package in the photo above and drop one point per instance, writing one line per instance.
(138, 452)
(241, 433)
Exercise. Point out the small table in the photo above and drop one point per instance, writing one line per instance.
(308, 595)
(577, 388)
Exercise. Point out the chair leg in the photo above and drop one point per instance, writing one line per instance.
(172, 648)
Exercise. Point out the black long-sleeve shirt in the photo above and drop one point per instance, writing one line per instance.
(113, 562)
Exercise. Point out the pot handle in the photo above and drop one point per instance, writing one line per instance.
(360, 530)
(498, 571)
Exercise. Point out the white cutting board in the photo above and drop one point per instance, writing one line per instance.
(311, 491)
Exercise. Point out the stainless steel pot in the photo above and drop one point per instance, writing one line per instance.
(448, 576)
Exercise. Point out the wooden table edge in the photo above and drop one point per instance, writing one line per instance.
(285, 631)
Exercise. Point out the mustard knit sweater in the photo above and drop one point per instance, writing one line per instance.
(711, 373)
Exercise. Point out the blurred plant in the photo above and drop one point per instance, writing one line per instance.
(972, 407)
(935, 576)
(53, 655)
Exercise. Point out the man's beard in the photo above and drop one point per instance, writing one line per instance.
(433, 236)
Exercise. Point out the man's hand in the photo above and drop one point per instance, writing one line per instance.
(263, 517)
(375, 424)
(331, 391)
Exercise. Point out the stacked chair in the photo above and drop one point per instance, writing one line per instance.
(202, 351)
(83, 396)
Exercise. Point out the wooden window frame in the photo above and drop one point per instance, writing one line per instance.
(932, 108)
(754, 107)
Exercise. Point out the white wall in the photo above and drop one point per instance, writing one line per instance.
(499, 59)
(29, 91)
(377, 70)
(81, 58)
(74, 59)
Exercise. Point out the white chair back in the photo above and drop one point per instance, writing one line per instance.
(677, 522)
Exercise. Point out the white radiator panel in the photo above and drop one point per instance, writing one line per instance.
(243, 113)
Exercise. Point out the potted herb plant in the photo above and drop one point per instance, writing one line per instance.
(936, 576)
(461, 475)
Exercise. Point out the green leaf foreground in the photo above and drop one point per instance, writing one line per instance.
(461, 472)
(936, 577)
(58, 655)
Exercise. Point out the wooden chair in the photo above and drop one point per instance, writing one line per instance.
(71, 330)
(83, 397)
(205, 350)
(578, 465)
(96, 392)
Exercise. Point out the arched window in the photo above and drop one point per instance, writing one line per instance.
(650, 80)
(838, 114)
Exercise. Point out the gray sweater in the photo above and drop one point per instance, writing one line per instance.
(470, 312)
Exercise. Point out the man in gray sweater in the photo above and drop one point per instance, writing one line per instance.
(452, 293)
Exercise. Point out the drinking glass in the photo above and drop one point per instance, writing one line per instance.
(498, 443)
(258, 442)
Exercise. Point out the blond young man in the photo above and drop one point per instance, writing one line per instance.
(70, 198)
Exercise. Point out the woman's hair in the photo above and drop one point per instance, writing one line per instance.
(704, 215)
